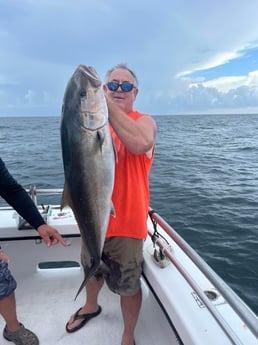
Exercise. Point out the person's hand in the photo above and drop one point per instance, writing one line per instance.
(4, 257)
(50, 235)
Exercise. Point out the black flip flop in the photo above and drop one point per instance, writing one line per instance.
(84, 317)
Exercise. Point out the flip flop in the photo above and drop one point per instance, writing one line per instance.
(84, 317)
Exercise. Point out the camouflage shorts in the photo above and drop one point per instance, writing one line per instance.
(7, 282)
(122, 265)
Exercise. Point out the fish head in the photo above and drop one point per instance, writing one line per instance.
(85, 97)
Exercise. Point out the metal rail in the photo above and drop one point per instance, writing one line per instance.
(230, 296)
(33, 192)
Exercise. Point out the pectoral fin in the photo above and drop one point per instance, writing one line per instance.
(66, 200)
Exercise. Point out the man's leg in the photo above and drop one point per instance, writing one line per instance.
(124, 257)
(91, 306)
(130, 306)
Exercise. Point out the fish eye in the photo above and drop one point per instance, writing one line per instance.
(83, 93)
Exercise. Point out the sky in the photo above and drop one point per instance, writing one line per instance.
(190, 56)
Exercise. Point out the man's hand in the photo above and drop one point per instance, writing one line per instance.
(4, 257)
(50, 235)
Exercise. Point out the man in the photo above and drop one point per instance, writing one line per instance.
(134, 136)
(19, 199)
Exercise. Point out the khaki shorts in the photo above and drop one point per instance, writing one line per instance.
(122, 268)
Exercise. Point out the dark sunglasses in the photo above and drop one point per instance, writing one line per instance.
(125, 86)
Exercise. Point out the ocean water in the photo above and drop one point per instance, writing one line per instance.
(204, 182)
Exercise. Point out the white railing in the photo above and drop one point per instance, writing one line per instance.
(33, 192)
(230, 296)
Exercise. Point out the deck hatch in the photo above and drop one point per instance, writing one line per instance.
(57, 265)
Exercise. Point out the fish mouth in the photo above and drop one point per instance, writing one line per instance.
(89, 71)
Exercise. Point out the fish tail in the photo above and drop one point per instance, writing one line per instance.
(81, 287)
(88, 273)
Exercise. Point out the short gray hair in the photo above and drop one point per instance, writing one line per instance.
(121, 66)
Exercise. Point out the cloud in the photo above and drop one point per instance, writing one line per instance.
(181, 52)
(224, 84)
(214, 61)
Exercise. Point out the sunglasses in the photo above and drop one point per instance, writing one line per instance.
(125, 86)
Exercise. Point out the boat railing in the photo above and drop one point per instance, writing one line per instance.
(230, 296)
(33, 192)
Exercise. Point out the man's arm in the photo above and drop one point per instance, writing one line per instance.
(138, 136)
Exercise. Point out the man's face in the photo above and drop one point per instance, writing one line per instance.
(123, 99)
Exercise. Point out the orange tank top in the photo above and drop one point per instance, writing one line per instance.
(131, 191)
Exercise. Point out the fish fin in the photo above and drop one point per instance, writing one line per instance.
(87, 274)
(112, 210)
(81, 287)
(115, 151)
(65, 197)
(101, 138)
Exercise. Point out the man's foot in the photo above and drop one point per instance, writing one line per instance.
(83, 318)
(22, 336)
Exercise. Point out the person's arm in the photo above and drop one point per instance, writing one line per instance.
(138, 136)
(16, 196)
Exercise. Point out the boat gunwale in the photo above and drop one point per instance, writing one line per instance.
(236, 303)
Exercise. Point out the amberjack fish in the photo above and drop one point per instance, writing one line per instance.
(88, 160)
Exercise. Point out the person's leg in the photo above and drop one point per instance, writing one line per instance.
(91, 305)
(124, 258)
(7, 297)
(8, 311)
(14, 331)
(130, 306)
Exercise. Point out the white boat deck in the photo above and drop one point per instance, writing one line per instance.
(45, 298)
(45, 301)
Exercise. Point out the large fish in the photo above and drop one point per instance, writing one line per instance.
(88, 160)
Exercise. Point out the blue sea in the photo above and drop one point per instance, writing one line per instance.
(204, 182)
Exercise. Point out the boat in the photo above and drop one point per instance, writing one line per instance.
(184, 301)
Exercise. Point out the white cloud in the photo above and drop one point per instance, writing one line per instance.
(224, 84)
(168, 44)
(7, 80)
(214, 61)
